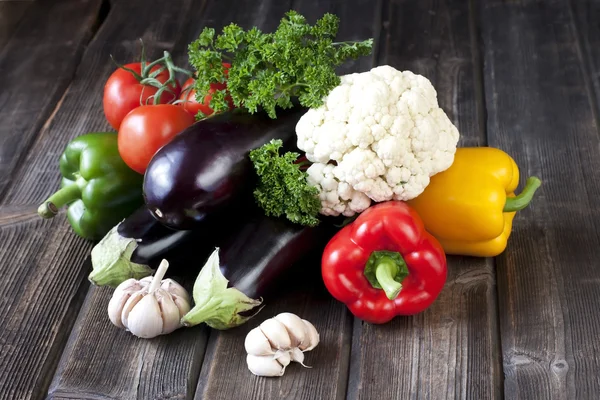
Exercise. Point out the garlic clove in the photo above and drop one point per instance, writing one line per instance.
(314, 337)
(145, 319)
(175, 289)
(182, 304)
(264, 365)
(298, 356)
(169, 311)
(146, 281)
(276, 333)
(297, 330)
(257, 344)
(129, 304)
(130, 285)
(283, 356)
(115, 307)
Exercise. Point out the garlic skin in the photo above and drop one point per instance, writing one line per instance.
(297, 330)
(149, 307)
(264, 365)
(278, 341)
(120, 297)
(314, 338)
(278, 336)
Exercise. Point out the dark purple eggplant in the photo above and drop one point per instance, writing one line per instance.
(137, 245)
(206, 167)
(248, 265)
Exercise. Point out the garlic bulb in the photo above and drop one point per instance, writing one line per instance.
(276, 342)
(149, 307)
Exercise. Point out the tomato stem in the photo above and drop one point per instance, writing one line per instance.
(137, 76)
(147, 77)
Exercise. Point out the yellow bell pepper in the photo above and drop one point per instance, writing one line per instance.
(470, 206)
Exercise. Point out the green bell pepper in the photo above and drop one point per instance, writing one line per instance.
(98, 187)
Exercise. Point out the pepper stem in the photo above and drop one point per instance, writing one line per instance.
(67, 194)
(522, 200)
(160, 273)
(385, 272)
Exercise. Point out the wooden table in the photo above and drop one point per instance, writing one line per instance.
(518, 75)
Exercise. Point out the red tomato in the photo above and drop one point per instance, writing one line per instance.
(191, 105)
(122, 93)
(146, 129)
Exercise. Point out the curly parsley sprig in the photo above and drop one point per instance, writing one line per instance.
(283, 188)
(268, 69)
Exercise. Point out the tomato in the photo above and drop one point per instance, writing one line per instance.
(123, 92)
(146, 129)
(190, 103)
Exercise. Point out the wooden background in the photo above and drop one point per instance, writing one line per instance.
(520, 75)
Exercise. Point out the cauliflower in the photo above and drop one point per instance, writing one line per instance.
(336, 197)
(380, 135)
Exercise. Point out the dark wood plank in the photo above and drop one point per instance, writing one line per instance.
(585, 17)
(104, 362)
(450, 350)
(539, 111)
(224, 373)
(10, 16)
(101, 361)
(37, 64)
(42, 271)
(42, 292)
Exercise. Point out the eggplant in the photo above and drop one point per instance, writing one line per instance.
(206, 166)
(249, 265)
(135, 247)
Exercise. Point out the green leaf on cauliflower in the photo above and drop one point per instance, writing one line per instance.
(283, 188)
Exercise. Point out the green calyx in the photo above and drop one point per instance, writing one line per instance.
(524, 198)
(214, 303)
(111, 261)
(386, 270)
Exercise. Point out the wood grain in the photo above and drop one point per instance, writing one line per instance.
(38, 62)
(10, 16)
(41, 287)
(585, 16)
(42, 272)
(539, 111)
(450, 350)
(224, 373)
(81, 110)
(104, 362)
(101, 361)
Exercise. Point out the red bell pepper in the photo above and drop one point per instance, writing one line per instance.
(384, 264)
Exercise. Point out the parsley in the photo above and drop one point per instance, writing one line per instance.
(282, 187)
(268, 69)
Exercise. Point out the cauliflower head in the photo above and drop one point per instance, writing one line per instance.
(380, 135)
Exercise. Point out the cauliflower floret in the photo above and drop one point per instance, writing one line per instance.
(385, 131)
(336, 197)
(362, 169)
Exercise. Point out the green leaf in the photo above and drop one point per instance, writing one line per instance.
(206, 37)
(231, 38)
(267, 69)
(218, 102)
(283, 188)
